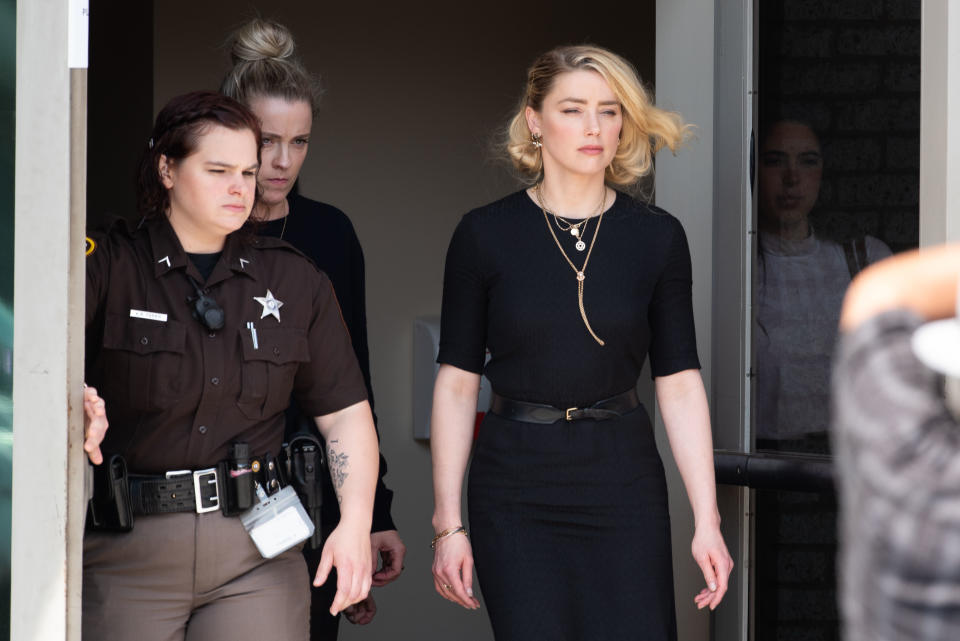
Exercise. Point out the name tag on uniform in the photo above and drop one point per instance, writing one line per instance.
(154, 316)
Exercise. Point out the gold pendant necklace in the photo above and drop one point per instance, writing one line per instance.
(285, 217)
(582, 272)
(577, 230)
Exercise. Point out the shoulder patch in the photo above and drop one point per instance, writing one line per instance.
(91, 246)
(269, 242)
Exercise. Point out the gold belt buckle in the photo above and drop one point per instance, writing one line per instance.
(570, 409)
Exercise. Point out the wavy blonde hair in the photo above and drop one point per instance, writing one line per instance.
(646, 128)
(264, 65)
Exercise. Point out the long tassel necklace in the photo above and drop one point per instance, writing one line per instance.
(582, 272)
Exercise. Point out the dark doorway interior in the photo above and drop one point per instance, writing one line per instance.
(119, 104)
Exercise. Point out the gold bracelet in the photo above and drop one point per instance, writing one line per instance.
(445, 533)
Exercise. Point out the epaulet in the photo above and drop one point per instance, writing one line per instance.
(116, 226)
(269, 243)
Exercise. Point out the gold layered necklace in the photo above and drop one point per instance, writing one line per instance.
(582, 272)
(577, 230)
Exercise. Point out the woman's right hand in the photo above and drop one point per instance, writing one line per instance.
(453, 570)
(347, 549)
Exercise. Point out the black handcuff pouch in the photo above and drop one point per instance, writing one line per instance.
(301, 465)
(109, 509)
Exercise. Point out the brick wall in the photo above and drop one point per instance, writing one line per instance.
(851, 69)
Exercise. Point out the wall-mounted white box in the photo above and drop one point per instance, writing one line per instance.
(426, 346)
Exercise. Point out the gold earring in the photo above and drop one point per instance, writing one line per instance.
(536, 140)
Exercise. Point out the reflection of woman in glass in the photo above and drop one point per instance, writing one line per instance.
(803, 273)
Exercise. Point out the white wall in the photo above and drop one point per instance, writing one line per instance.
(939, 128)
(48, 464)
(684, 187)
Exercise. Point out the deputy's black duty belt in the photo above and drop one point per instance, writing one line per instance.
(177, 491)
(192, 490)
(545, 414)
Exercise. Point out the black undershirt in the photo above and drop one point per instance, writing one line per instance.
(204, 263)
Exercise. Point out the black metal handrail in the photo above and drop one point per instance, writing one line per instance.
(775, 470)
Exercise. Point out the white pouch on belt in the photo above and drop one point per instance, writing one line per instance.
(277, 523)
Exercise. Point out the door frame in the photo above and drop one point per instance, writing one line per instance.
(735, 108)
(49, 465)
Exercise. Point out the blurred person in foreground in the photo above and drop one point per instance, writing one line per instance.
(897, 444)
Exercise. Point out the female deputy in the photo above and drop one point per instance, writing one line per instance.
(570, 284)
(184, 386)
(268, 79)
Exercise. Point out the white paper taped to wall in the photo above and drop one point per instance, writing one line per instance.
(78, 34)
(426, 346)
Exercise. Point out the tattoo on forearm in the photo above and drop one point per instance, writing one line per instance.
(338, 463)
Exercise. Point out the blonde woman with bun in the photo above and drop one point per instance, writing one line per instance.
(570, 284)
(269, 78)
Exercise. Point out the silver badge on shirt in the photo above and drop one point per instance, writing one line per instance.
(271, 306)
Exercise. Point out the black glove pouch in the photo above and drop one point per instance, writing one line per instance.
(109, 510)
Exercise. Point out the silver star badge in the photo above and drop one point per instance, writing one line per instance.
(271, 306)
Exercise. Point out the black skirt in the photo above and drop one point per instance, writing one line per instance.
(571, 532)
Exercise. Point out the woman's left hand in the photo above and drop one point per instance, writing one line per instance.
(710, 553)
(94, 424)
(347, 549)
(388, 546)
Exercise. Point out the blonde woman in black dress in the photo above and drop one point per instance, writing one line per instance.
(570, 285)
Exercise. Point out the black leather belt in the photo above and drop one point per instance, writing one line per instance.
(195, 490)
(178, 491)
(545, 414)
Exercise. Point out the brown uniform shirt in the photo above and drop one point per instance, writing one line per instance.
(177, 394)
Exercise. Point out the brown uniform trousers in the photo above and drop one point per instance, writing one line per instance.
(191, 577)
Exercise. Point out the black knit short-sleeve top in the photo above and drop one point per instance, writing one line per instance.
(508, 289)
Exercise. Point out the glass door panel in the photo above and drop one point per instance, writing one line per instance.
(837, 188)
